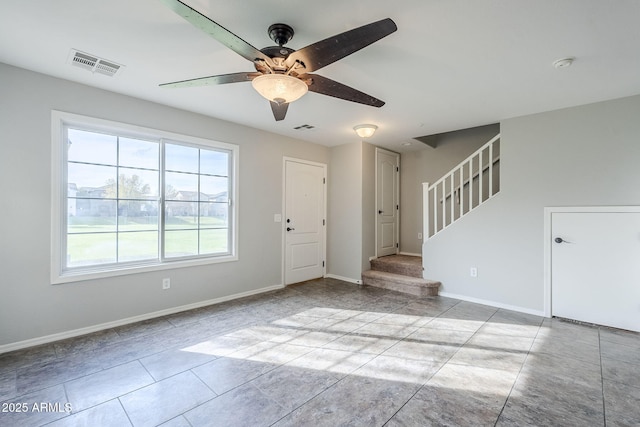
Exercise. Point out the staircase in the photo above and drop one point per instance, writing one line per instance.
(401, 273)
(471, 183)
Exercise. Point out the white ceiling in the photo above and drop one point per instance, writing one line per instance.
(451, 65)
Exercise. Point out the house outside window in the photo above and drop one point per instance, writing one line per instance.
(129, 199)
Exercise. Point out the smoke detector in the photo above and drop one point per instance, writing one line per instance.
(563, 62)
(94, 63)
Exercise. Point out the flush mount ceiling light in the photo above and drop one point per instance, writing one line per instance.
(279, 88)
(365, 131)
(563, 62)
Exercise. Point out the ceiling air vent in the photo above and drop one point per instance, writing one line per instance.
(93, 63)
(303, 127)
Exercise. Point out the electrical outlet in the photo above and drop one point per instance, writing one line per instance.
(166, 283)
(419, 236)
(473, 272)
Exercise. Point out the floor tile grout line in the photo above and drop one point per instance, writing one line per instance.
(515, 381)
(216, 395)
(64, 384)
(604, 406)
(124, 410)
(410, 398)
(124, 338)
(308, 400)
(317, 348)
(101, 370)
(432, 375)
(263, 373)
(156, 382)
(344, 377)
(420, 388)
(66, 396)
(232, 388)
(340, 380)
(146, 370)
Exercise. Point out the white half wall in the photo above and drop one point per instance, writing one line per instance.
(581, 156)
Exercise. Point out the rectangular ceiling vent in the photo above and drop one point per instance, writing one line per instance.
(303, 127)
(93, 63)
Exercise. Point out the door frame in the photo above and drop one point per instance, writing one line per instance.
(283, 223)
(548, 237)
(397, 190)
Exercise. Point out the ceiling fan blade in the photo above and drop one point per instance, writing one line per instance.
(328, 51)
(325, 86)
(279, 110)
(214, 80)
(217, 31)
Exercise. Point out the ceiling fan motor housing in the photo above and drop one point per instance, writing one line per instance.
(280, 33)
(277, 51)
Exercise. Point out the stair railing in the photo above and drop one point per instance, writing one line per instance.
(468, 185)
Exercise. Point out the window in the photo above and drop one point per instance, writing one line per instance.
(128, 198)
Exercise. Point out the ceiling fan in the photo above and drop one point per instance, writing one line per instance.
(282, 74)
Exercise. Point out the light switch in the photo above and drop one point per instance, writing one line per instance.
(277, 218)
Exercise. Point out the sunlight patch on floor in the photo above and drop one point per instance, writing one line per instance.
(385, 346)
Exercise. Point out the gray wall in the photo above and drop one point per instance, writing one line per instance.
(351, 210)
(369, 210)
(579, 156)
(429, 165)
(582, 156)
(30, 306)
(344, 226)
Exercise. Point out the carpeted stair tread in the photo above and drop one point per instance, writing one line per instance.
(400, 283)
(405, 265)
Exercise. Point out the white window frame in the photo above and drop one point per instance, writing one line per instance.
(59, 120)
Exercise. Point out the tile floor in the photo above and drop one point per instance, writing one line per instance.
(329, 353)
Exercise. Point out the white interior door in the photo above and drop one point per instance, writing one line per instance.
(304, 225)
(595, 267)
(387, 202)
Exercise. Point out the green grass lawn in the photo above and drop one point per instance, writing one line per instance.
(92, 224)
(93, 240)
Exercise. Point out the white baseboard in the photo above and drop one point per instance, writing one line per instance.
(493, 304)
(409, 254)
(344, 279)
(371, 258)
(95, 328)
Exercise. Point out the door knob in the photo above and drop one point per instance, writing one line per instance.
(560, 240)
(379, 212)
(290, 229)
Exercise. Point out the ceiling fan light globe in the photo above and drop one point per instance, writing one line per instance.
(279, 88)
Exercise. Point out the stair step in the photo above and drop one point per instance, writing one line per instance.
(405, 265)
(400, 283)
